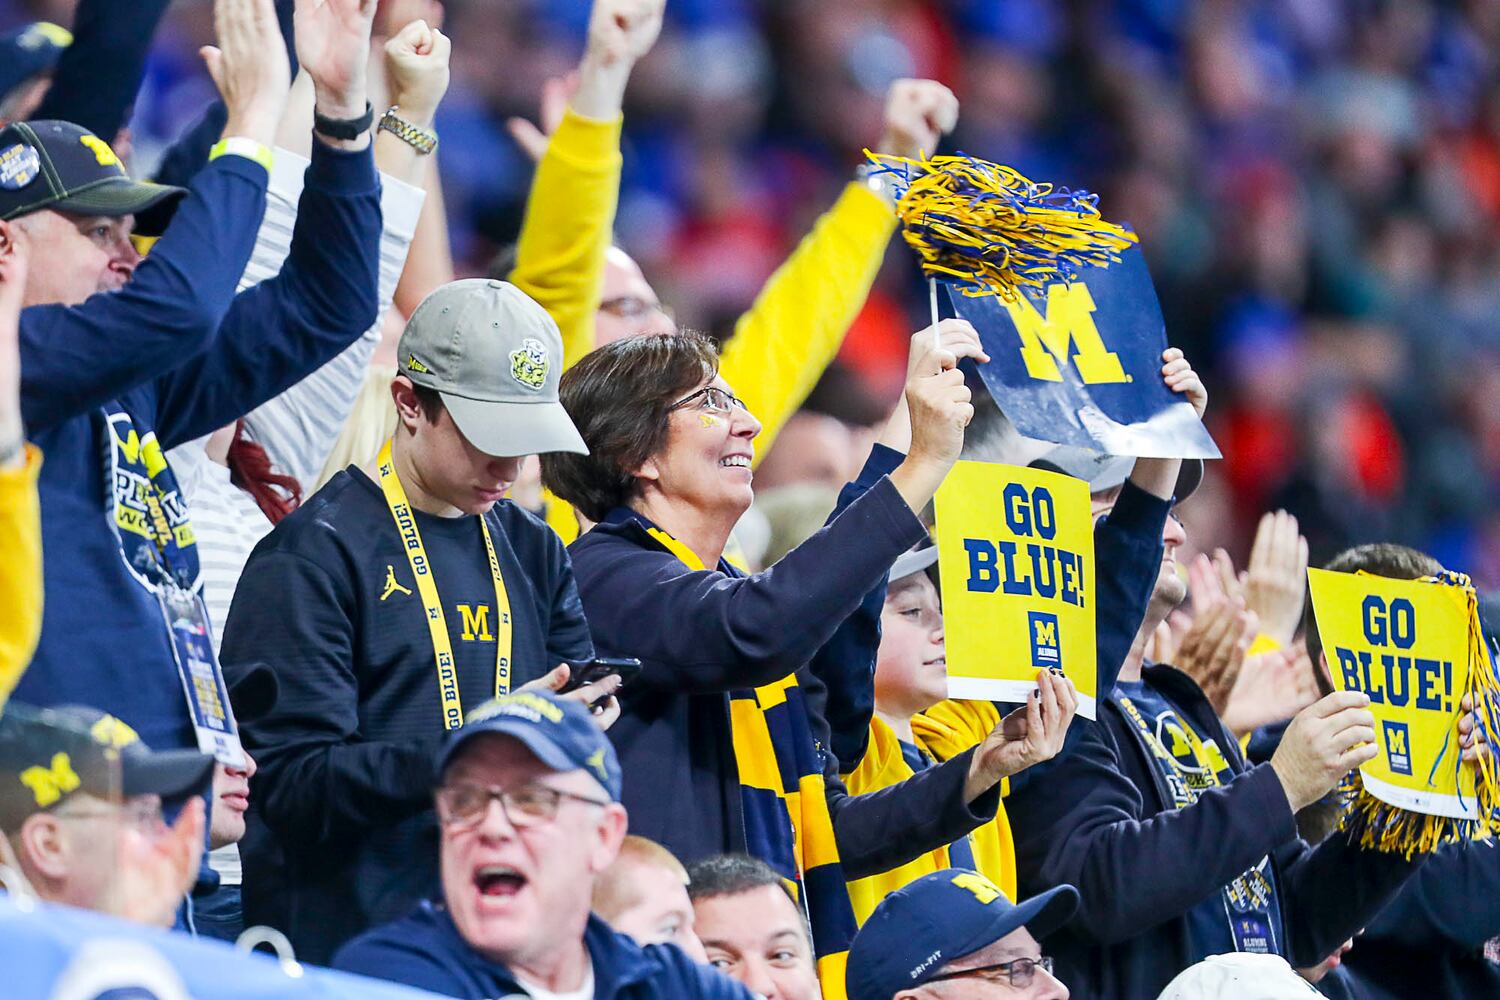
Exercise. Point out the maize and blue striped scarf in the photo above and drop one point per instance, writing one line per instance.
(787, 823)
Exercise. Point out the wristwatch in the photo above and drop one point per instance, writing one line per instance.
(343, 128)
(423, 140)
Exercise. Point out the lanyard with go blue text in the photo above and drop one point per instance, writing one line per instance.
(437, 624)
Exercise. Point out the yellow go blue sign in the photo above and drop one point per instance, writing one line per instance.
(1016, 554)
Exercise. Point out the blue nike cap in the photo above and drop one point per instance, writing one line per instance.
(560, 732)
(940, 918)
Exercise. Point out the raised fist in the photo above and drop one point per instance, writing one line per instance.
(416, 64)
(624, 30)
(918, 113)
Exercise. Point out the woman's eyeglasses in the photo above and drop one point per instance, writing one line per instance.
(710, 399)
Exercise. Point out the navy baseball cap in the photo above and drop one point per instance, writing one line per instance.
(1105, 472)
(58, 165)
(938, 919)
(48, 755)
(30, 50)
(561, 733)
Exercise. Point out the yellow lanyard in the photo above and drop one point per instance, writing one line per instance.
(437, 624)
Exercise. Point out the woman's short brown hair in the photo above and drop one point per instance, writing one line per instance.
(620, 397)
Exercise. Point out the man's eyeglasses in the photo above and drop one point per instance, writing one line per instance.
(633, 307)
(1017, 973)
(143, 814)
(710, 399)
(463, 805)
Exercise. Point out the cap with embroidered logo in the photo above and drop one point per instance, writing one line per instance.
(49, 755)
(58, 165)
(940, 918)
(495, 356)
(560, 732)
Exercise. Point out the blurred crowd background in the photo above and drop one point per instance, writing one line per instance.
(1316, 184)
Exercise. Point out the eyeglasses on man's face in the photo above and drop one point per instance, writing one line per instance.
(710, 399)
(143, 814)
(463, 804)
(1017, 973)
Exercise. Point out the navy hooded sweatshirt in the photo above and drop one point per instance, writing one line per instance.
(111, 384)
(1100, 818)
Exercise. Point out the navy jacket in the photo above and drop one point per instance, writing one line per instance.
(702, 634)
(425, 950)
(1102, 821)
(1430, 940)
(173, 355)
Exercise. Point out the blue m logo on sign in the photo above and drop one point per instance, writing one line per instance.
(1046, 649)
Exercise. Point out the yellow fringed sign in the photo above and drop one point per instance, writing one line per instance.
(990, 230)
(1416, 648)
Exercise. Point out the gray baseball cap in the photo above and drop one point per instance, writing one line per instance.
(495, 356)
(1105, 472)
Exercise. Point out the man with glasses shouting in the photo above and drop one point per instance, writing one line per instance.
(528, 801)
(953, 934)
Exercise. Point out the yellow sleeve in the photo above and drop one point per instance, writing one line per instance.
(20, 570)
(781, 347)
(570, 218)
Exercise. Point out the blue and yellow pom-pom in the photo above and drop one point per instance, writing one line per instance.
(1371, 822)
(989, 230)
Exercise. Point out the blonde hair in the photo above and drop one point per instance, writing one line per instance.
(615, 891)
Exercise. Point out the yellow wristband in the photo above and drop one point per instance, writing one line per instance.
(238, 145)
(1262, 644)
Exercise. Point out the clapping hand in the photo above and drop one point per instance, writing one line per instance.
(333, 48)
(1276, 580)
(1213, 650)
(249, 67)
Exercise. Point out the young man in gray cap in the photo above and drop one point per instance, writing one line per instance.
(528, 796)
(81, 801)
(391, 599)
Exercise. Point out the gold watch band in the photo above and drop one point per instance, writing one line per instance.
(423, 140)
